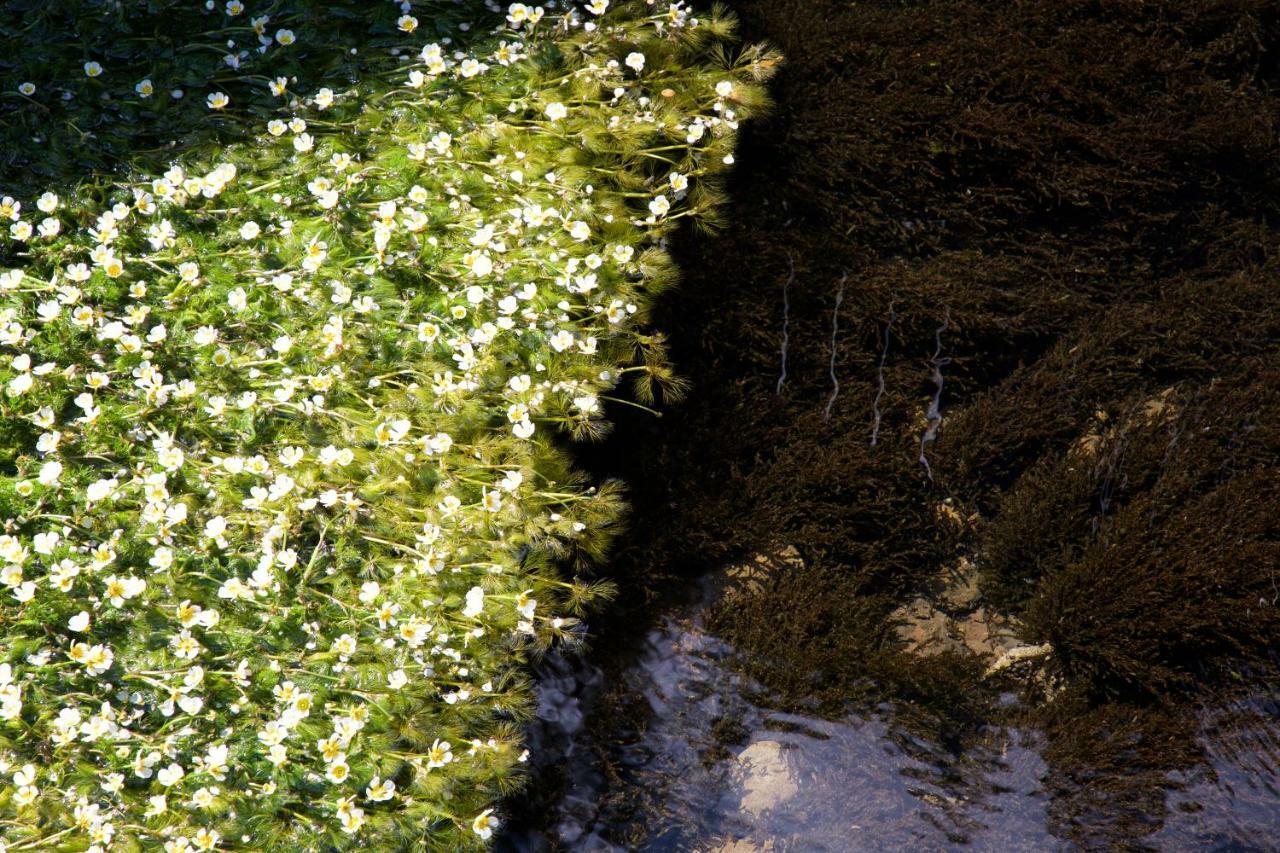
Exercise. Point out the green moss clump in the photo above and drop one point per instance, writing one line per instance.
(286, 504)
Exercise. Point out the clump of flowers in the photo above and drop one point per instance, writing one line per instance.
(284, 503)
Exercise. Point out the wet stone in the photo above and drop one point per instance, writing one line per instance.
(951, 623)
(744, 845)
(705, 767)
(767, 777)
(755, 573)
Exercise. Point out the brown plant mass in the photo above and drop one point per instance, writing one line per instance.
(1056, 226)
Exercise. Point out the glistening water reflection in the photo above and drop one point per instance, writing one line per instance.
(709, 768)
(704, 765)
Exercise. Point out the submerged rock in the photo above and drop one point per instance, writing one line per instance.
(753, 574)
(767, 778)
(952, 621)
(744, 845)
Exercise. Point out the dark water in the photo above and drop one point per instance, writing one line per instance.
(706, 766)
(1233, 801)
(1075, 203)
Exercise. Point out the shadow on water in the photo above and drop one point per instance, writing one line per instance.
(708, 764)
(1068, 210)
(702, 760)
(73, 126)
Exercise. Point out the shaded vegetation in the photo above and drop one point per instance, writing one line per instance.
(73, 125)
(1061, 216)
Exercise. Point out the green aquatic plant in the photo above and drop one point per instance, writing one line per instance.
(285, 498)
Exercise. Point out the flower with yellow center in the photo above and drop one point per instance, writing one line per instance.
(330, 749)
(440, 754)
(380, 790)
(206, 839)
(484, 824)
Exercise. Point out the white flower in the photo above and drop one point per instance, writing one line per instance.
(475, 602)
(44, 543)
(485, 823)
(120, 589)
(440, 754)
(479, 264)
(345, 645)
(49, 472)
(20, 384)
(635, 61)
(95, 659)
(171, 775)
(380, 790)
(561, 340)
(92, 69)
(79, 623)
(556, 111)
(217, 100)
(100, 490)
(492, 501)
(659, 206)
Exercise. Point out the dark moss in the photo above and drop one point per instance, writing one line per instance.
(1067, 210)
(1110, 769)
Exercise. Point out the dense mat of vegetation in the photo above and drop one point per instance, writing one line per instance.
(284, 502)
(1066, 212)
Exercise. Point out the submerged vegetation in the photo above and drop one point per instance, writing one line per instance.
(1049, 230)
(284, 494)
